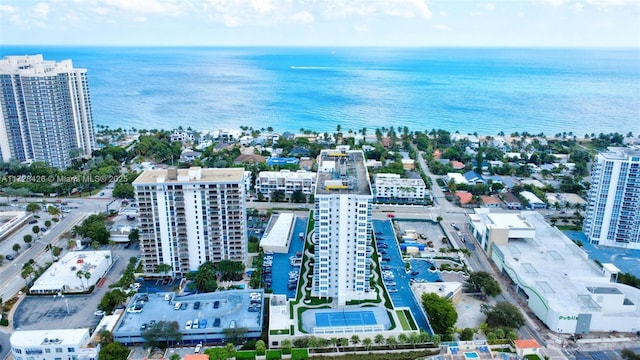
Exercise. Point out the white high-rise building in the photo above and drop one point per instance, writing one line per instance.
(613, 207)
(46, 111)
(343, 213)
(191, 216)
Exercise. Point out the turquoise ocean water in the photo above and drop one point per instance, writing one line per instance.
(457, 89)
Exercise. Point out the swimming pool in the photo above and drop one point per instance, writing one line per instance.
(471, 355)
(351, 318)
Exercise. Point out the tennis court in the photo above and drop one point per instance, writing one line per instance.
(351, 318)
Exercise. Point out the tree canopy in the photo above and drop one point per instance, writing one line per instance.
(93, 228)
(230, 270)
(503, 314)
(204, 279)
(483, 282)
(114, 351)
(441, 313)
(162, 333)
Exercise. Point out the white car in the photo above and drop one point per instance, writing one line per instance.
(99, 313)
(187, 326)
(177, 306)
(198, 348)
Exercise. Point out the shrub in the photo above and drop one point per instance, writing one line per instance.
(299, 354)
(274, 354)
(4, 322)
(246, 355)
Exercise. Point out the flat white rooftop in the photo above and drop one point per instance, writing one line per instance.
(555, 266)
(277, 237)
(57, 337)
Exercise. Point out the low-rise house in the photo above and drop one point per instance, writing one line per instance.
(511, 201)
(491, 201)
(534, 201)
(249, 159)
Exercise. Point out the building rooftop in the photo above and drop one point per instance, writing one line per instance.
(555, 266)
(191, 175)
(230, 307)
(622, 153)
(64, 272)
(342, 172)
(57, 337)
(278, 232)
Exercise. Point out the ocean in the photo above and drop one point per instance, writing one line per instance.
(483, 90)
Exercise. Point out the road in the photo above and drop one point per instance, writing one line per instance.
(452, 214)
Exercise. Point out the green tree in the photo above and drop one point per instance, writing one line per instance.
(106, 337)
(47, 223)
(367, 343)
(483, 281)
(355, 339)
(33, 207)
(229, 270)
(163, 269)
(16, 247)
(27, 238)
(55, 251)
(53, 211)
(441, 313)
(378, 339)
(204, 279)
(235, 335)
(261, 347)
(114, 351)
(628, 354)
(503, 314)
(35, 229)
(285, 345)
(123, 191)
(162, 334)
(467, 334)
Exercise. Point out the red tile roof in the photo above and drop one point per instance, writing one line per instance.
(457, 165)
(526, 344)
(465, 197)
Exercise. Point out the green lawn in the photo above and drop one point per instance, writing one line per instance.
(403, 320)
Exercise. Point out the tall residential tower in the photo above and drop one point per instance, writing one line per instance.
(46, 111)
(613, 208)
(190, 216)
(343, 213)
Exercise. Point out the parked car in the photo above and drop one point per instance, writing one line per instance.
(216, 304)
(196, 305)
(216, 322)
(33, 221)
(99, 313)
(187, 326)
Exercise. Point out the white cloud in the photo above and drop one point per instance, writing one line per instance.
(489, 6)
(303, 17)
(578, 6)
(7, 10)
(441, 27)
(41, 11)
(161, 7)
(262, 6)
(444, 13)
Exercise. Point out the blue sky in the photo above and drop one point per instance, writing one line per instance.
(581, 23)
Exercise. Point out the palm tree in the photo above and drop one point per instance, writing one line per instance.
(71, 244)
(403, 338)
(378, 339)
(355, 339)
(367, 343)
(392, 342)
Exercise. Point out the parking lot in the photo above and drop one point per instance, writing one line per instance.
(73, 311)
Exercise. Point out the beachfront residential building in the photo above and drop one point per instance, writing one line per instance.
(613, 206)
(343, 213)
(391, 188)
(286, 181)
(191, 216)
(565, 289)
(46, 111)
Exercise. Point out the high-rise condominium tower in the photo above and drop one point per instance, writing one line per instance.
(190, 216)
(343, 213)
(46, 111)
(613, 208)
